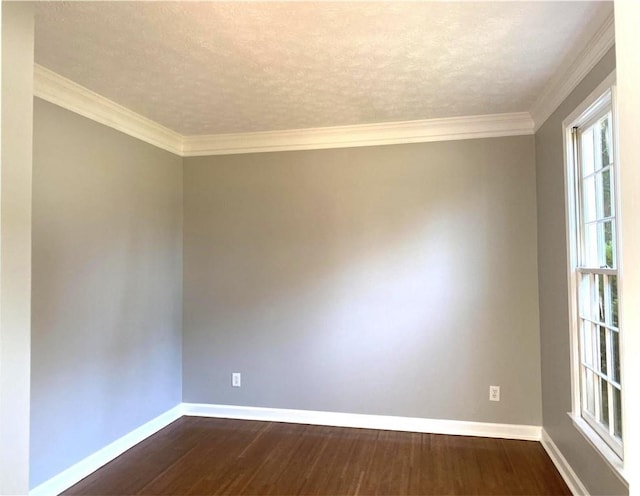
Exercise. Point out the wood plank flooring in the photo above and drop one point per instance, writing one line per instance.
(202, 456)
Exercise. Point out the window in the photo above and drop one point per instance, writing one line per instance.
(594, 274)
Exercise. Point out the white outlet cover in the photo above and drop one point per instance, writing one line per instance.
(236, 379)
(494, 393)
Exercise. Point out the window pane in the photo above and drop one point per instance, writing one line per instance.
(602, 350)
(605, 140)
(586, 151)
(613, 284)
(599, 298)
(615, 356)
(617, 413)
(591, 246)
(589, 400)
(584, 295)
(608, 310)
(609, 246)
(597, 143)
(588, 342)
(604, 192)
(589, 199)
(604, 402)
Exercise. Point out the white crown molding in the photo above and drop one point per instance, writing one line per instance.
(75, 473)
(576, 486)
(565, 81)
(363, 421)
(61, 91)
(452, 128)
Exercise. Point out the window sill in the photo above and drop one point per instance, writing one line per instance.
(607, 454)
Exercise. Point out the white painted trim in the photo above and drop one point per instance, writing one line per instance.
(90, 464)
(628, 120)
(85, 467)
(603, 94)
(390, 133)
(570, 477)
(363, 421)
(61, 91)
(590, 100)
(71, 96)
(571, 227)
(609, 456)
(563, 83)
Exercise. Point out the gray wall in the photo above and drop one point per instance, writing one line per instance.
(107, 287)
(395, 280)
(552, 276)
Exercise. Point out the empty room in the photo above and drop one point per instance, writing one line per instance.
(337, 248)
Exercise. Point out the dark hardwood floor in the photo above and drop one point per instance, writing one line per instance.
(218, 456)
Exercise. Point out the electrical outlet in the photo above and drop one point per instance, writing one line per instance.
(236, 380)
(494, 393)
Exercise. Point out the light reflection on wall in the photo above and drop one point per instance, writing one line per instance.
(364, 280)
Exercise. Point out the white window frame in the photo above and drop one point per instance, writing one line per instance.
(585, 112)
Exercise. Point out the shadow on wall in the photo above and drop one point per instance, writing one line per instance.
(336, 266)
(106, 287)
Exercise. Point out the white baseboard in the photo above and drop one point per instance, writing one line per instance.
(90, 464)
(382, 422)
(573, 481)
(83, 468)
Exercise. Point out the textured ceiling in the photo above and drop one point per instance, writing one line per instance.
(209, 68)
